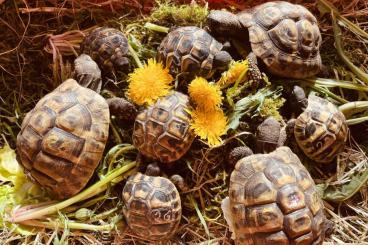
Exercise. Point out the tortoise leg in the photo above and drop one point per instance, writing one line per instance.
(290, 129)
(223, 23)
(179, 182)
(122, 109)
(254, 73)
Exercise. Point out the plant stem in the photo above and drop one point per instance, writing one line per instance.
(157, 28)
(135, 56)
(200, 216)
(103, 215)
(351, 108)
(328, 92)
(358, 120)
(337, 34)
(70, 224)
(91, 191)
(334, 83)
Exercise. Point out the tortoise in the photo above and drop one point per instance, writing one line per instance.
(321, 130)
(109, 48)
(284, 36)
(151, 206)
(270, 135)
(62, 139)
(162, 131)
(190, 51)
(273, 200)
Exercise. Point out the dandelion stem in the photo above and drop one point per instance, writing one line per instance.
(351, 108)
(328, 92)
(157, 28)
(333, 83)
(135, 56)
(358, 120)
(69, 224)
(91, 191)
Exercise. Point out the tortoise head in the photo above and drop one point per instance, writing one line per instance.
(222, 60)
(87, 73)
(222, 22)
(298, 99)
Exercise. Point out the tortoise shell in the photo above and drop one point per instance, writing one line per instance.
(152, 206)
(62, 139)
(286, 37)
(189, 50)
(273, 200)
(321, 130)
(108, 47)
(162, 131)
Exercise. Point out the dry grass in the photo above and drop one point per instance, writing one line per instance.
(39, 41)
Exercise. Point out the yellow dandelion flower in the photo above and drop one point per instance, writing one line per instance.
(206, 96)
(235, 70)
(209, 125)
(148, 83)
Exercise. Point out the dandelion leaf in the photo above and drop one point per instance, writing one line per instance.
(345, 191)
(251, 104)
(17, 190)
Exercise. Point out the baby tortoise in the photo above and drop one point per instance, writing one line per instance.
(320, 131)
(273, 200)
(88, 74)
(109, 48)
(162, 131)
(284, 36)
(63, 138)
(190, 51)
(152, 207)
(270, 135)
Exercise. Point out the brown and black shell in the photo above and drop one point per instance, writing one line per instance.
(63, 138)
(321, 130)
(152, 207)
(162, 131)
(189, 50)
(273, 200)
(109, 48)
(286, 37)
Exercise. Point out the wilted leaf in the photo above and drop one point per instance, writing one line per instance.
(9, 167)
(17, 191)
(343, 192)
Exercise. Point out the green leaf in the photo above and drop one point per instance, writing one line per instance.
(17, 190)
(9, 167)
(7, 202)
(250, 104)
(345, 191)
